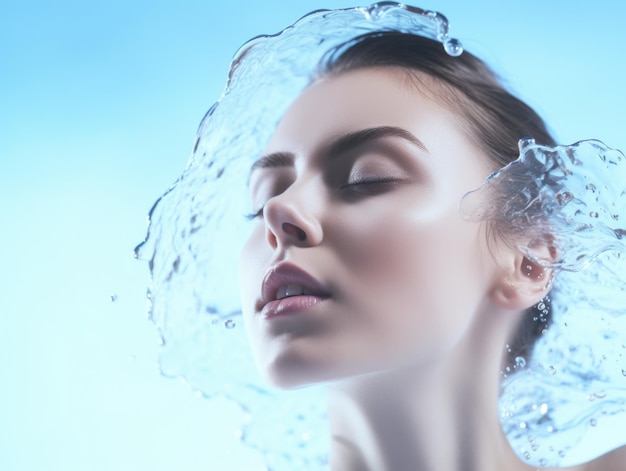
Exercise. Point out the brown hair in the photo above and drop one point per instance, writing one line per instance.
(493, 118)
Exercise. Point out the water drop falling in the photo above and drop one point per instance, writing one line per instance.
(453, 47)
(229, 324)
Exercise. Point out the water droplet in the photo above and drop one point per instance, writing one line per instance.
(623, 372)
(453, 47)
(550, 429)
(561, 453)
(593, 214)
(522, 425)
(520, 362)
(564, 197)
(526, 455)
(552, 370)
(541, 306)
(591, 187)
(229, 323)
(543, 408)
(543, 462)
(113, 298)
(593, 422)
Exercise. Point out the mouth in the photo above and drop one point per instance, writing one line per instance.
(288, 289)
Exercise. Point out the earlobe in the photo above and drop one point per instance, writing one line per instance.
(522, 285)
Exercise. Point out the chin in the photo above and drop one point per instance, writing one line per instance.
(290, 371)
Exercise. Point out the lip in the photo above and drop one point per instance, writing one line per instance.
(285, 273)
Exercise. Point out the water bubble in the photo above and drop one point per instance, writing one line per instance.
(593, 422)
(623, 372)
(229, 324)
(526, 455)
(522, 425)
(562, 453)
(113, 297)
(543, 462)
(543, 408)
(552, 370)
(591, 187)
(564, 197)
(520, 362)
(593, 214)
(453, 47)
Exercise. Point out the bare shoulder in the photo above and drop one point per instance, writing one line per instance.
(612, 461)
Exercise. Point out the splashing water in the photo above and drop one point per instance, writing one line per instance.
(197, 229)
(573, 381)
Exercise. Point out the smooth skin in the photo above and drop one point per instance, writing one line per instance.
(360, 188)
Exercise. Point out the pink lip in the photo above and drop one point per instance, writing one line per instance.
(285, 273)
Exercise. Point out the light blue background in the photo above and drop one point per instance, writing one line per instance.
(99, 102)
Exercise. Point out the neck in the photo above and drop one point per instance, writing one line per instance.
(442, 416)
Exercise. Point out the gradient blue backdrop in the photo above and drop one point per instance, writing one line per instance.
(99, 102)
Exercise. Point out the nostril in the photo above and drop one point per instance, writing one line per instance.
(294, 231)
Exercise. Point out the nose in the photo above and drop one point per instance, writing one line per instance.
(290, 219)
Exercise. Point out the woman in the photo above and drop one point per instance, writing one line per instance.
(360, 272)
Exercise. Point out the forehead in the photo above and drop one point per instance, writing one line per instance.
(355, 100)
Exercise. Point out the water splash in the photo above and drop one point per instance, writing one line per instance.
(572, 387)
(197, 230)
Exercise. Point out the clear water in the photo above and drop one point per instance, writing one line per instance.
(575, 381)
(197, 229)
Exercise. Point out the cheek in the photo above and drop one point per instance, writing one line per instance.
(415, 277)
(251, 266)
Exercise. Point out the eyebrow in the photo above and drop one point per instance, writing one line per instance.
(341, 145)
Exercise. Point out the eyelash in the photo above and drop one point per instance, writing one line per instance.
(346, 186)
(366, 182)
(255, 214)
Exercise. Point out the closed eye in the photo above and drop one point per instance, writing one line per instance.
(374, 185)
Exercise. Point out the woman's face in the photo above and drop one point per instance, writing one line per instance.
(360, 261)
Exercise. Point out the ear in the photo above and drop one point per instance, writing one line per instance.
(524, 280)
